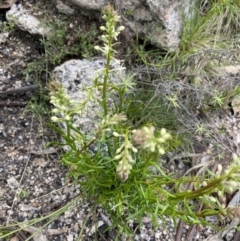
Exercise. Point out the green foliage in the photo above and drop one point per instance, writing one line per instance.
(129, 12)
(7, 27)
(62, 44)
(58, 45)
(22, 193)
(206, 37)
(225, 17)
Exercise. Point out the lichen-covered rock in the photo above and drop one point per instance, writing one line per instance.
(77, 75)
(24, 21)
(160, 21)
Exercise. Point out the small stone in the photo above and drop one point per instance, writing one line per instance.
(146, 220)
(70, 237)
(157, 235)
(164, 232)
(63, 8)
(12, 183)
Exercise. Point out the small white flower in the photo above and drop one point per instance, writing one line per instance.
(212, 199)
(118, 157)
(67, 118)
(219, 170)
(116, 134)
(103, 28)
(163, 131)
(121, 28)
(161, 140)
(55, 110)
(167, 136)
(135, 150)
(97, 48)
(234, 156)
(161, 151)
(54, 118)
(120, 148)
(130, 159)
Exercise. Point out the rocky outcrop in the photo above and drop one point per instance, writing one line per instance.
(159, 21)
(20, 17)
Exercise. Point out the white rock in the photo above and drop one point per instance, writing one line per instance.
(75, 76)
(93, 229)
(70, 237)
(26, 22)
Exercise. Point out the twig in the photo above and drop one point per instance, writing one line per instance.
(237, 236)
(13, 103)
(179, 230)
(19, 90)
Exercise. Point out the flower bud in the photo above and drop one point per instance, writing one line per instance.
(123, 170)
(116, 134)
(135, 150)
(212, 199)
(219, 170)
(163, 131)
(118, 157)
(161, 140)
(204, 184)
(97, 48)
(67, 118)
(121, 28)
(54, 118)
(103, 28)
(234, 156)
(55, 110)
(167, 136)
(161, 151)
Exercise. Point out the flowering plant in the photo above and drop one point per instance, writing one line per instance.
(118, 172)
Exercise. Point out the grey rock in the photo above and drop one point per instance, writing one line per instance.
(161, 22)
(90, 4)
(63, 8)
(12, 183)
(76, 76)
(26, 208)
(3, 37)
(2, 191)
(24, 21)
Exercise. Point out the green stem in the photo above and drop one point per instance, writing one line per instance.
(201, 191)
(106, 75)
